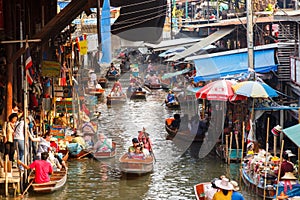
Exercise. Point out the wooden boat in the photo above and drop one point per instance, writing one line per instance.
(112, 77)
(152, 85)
(182, 135)
(57, 181)
(200, 189)
(136, 166)
(136, 94)
(102, 82)
(173, 105)
(96, 92)
(104, 155)
(113, 100)
(257, 188)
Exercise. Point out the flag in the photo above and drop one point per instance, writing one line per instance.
(82, 44)
(28, 65)
(105, 32)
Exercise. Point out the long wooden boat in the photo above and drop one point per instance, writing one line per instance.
(112, 77)
(104, 155)
(111, 100)
(57, 181)
(182, 135)
(173, 105)
(200, 189)
(102, 82)
(152, 85)
(257, 188)
(136, 94)
(136, 166)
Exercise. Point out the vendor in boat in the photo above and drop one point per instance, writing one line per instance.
(116, 92)
(286, 166)
(175, 124)
(79, 139)
(103, 144)
(117, 84)
(42, 168)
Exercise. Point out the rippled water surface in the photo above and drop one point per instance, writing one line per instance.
(176, 170)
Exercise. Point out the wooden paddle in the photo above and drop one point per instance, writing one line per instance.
(27, 189)
(84, 155)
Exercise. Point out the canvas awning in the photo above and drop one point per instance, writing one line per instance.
(168, 44)
(202, 44)
(169, 75)
(233, 62)
(293, 134)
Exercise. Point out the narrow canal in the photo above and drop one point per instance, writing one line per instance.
(176, 170)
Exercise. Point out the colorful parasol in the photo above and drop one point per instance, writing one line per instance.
(220, 90)
(254, 89)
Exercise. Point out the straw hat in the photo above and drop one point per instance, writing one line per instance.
(289, 176)
(224, 184)
(276, 130)
(235, 185)
(282, 196)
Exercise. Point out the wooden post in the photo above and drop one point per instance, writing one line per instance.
(6, 175)
(226, 147)
(279, 170)
(243, 142)
(230, 146)
(275, 144)
(267, 149)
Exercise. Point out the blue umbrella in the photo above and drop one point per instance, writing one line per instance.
(254, 89)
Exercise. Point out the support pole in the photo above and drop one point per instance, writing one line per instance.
(250, 34)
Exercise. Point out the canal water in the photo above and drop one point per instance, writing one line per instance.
(177, 168)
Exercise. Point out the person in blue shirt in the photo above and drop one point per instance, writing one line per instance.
(170, 97)
(236, 195)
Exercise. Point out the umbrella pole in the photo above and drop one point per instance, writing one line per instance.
(226, 147)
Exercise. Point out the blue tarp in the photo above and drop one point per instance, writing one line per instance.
(233, 64)
(105, 32)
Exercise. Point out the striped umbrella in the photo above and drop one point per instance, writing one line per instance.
(220, 90)
(254, 89)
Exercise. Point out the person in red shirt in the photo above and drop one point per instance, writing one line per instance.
(42, 167)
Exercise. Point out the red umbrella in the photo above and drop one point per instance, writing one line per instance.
(219, 90)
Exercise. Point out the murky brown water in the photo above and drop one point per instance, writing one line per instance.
(175, 173)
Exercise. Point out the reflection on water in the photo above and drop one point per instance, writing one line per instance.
(176, 171)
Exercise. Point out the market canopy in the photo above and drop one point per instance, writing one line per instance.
(169, 75)
(217, 65)
(168, 44)
(293, 134)
(202, 44)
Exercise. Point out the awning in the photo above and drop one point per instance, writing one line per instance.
(218, 65)
(293, 134)
(168, 44)
(169, 75)
(203, 43)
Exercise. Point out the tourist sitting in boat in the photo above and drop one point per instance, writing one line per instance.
(225, 190)
(42, 168)
(79, 139)
(145, 150)
(171, 98)
(154, 79)
(112, 70)
(137, 154)
(236, 195)
(135, 143)
(44, 143)
(144, 137)
(103, 144)
(54, 161)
